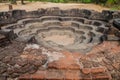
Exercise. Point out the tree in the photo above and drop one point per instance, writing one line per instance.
(22, 2)
(14, 2)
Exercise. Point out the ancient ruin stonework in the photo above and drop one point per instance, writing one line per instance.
(55, 44)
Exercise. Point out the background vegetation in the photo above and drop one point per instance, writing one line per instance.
(84, 1)
(114, 3)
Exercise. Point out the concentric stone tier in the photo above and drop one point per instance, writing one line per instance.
(68, 33)
(54, 44)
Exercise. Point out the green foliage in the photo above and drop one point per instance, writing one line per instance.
(56, 1)
(84, 1)
(117, 7)
(61, 1)
(112, 2)
(13, 1)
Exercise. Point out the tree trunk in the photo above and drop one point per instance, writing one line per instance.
(10, 7)
(22, 1)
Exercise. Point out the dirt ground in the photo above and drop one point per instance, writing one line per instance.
(29, 6)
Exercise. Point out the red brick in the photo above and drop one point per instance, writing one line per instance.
(86, 70)
(40, 76)
(102, 76)
(54, 75)
(98, 69)
(63, 65)
(86, 76)
(73, 75)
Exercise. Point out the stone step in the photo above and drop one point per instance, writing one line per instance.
(3, 40)
(54, 74)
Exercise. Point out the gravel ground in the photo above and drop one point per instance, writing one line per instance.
(29, 6)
